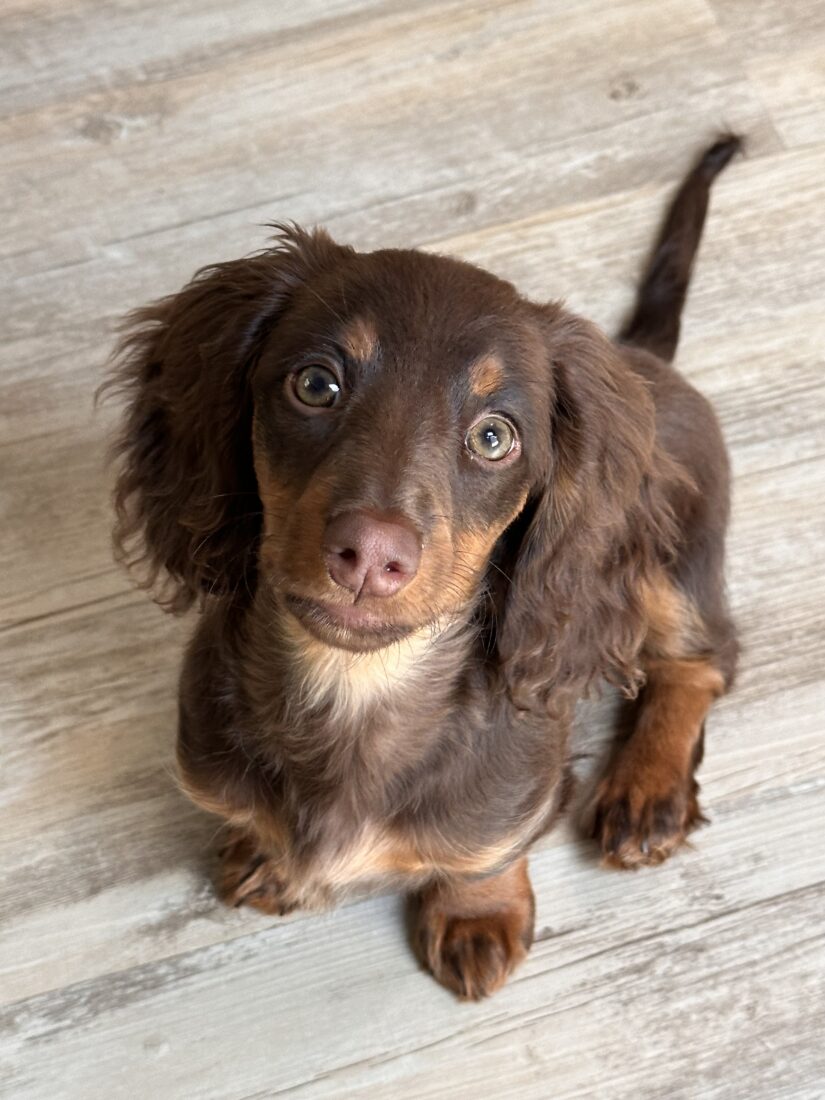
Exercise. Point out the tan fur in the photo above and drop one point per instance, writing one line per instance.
(473, 547)
(360, 339)
(353, 682)
(212, 803)
(647, 802)
(674, 626)
(486, 376)
(378, 855)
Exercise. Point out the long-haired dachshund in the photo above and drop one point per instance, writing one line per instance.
(421, 515)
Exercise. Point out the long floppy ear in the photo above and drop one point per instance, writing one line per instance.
(186, 496)
(599, 527)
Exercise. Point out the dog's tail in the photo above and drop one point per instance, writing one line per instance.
(655, 321)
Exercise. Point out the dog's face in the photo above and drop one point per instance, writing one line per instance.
(401, 412)
(359, 432)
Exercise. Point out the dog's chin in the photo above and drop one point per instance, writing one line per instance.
(348, 628)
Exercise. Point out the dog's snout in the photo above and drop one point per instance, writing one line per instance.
(370, 556)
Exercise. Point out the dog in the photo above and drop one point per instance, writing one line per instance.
(422, 516)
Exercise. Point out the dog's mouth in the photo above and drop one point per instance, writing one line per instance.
(351, 628)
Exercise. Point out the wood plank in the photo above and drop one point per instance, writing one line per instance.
(57, 517)
(625, 965)
(782, 50)
(751, 267)
(253, 133)
(62, 49)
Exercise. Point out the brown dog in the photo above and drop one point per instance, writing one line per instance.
(421, 515)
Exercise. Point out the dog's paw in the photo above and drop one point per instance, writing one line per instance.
(249, 877)
(471, 935)
(640, 820)
(473, 956)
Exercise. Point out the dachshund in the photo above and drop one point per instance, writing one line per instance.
(421, 516)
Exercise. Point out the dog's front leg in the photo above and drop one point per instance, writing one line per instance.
(472, 933)
(646, 803)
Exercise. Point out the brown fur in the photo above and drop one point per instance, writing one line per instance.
(421, 739)
(646, 804)
(472, 934)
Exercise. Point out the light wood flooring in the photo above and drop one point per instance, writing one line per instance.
(140, 139)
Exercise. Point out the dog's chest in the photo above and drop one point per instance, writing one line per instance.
(379, 855)
(363, 727)
(342, 851)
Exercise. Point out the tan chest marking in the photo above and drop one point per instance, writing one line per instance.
(379, 853)
(353, 682)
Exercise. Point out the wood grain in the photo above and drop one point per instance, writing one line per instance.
(781, 47)
(541, 139)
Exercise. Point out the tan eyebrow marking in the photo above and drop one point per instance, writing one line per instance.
(360, 339)
(486, 375)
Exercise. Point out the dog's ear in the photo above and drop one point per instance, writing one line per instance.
(186, 498)
(598, 526)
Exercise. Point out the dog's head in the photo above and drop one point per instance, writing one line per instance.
(373, 436)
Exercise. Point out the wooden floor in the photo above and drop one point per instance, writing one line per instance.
(140, 139)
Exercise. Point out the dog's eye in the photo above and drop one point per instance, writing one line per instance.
(316, 386)
(492, 438)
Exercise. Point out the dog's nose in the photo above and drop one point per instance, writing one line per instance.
(370, 556)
